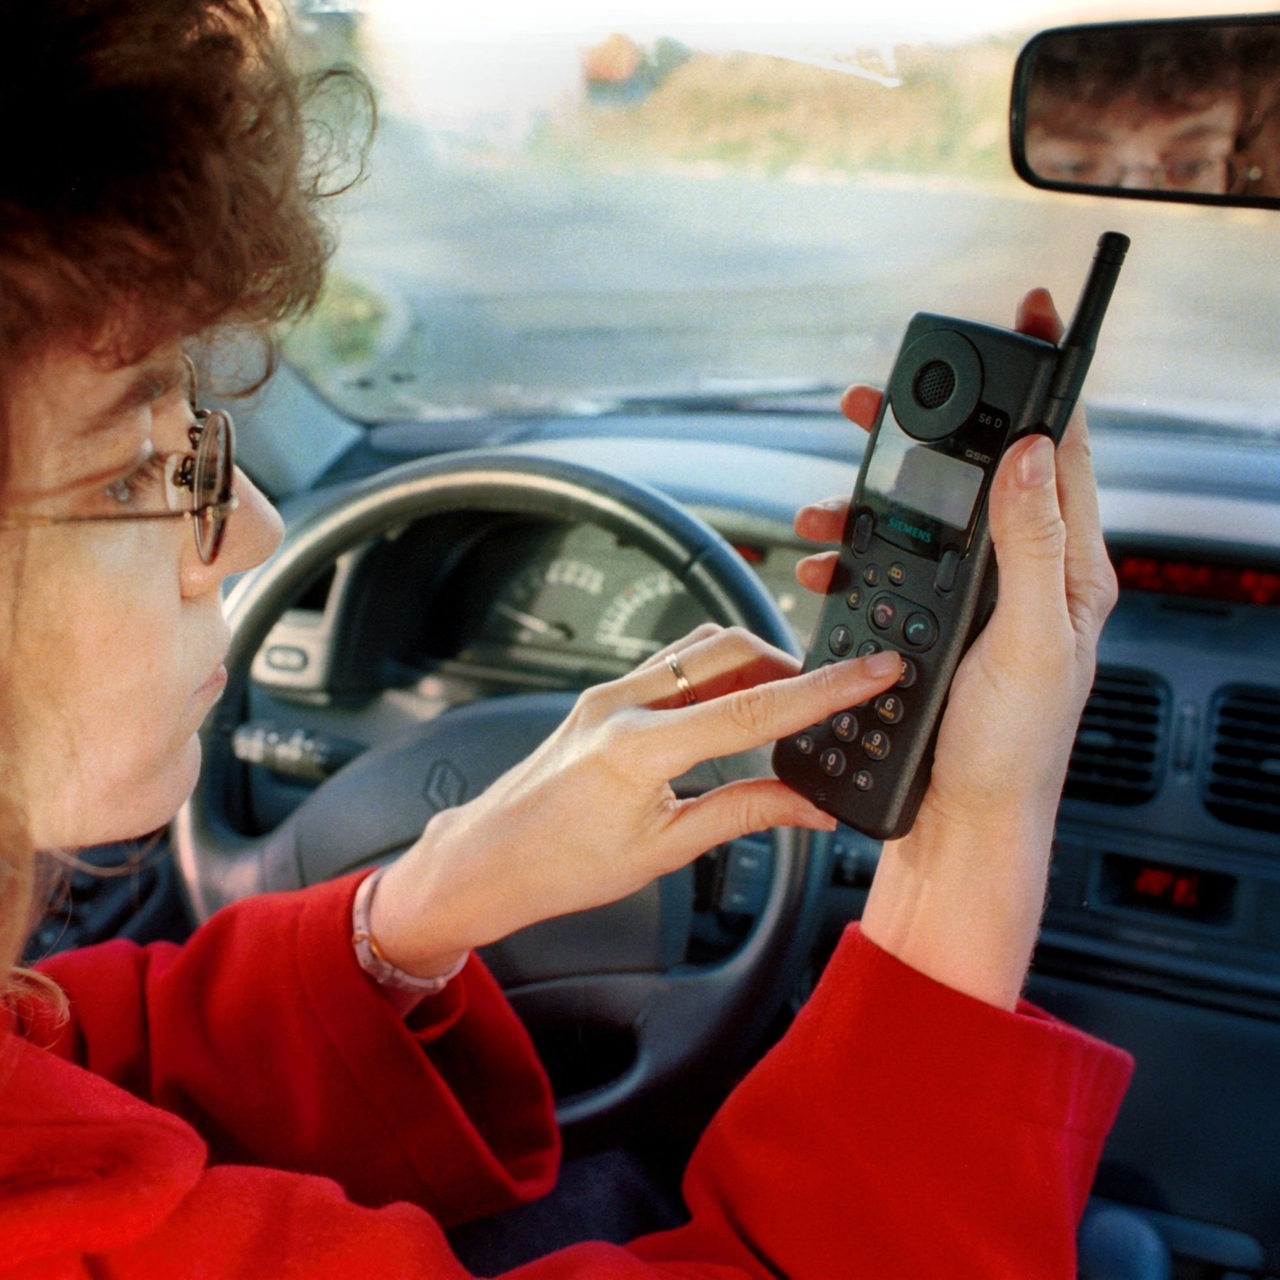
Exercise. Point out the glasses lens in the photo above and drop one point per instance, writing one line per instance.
(212, 482)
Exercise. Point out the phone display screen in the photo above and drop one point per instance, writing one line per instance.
(904, 473)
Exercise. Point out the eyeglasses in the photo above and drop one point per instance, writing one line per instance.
(1208, 174)
(1219, 175)
(198, 487)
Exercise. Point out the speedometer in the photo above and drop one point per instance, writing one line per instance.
(646, 615)
(547, 606)
(568, 600)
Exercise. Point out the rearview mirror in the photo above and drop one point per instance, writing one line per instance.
(1185, 110)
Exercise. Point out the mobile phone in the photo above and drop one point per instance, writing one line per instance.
(915, 571)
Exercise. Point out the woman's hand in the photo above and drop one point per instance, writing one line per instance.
(591, 815)
(960, 896)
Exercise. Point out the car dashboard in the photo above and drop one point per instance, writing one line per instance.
(1162, 927)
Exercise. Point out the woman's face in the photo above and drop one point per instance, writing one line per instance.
(114, 636)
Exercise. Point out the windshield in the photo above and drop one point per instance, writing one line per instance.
(568, 216)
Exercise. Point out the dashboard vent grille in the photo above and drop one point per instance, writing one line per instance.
(1242, 785)
(1119, 745)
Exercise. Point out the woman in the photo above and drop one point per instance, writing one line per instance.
(316, 1082)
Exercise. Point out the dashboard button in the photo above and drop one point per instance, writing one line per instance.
(287, 657)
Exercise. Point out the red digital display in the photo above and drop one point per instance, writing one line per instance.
(1165, 885)
(1226, 583)
(1187, 892)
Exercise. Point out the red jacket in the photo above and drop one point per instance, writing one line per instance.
(248, 1105)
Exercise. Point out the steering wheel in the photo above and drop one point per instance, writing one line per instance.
(617, 971)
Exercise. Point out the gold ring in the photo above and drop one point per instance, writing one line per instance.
(682, 680)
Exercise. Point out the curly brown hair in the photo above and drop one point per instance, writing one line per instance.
(162, 183)
(1168, 70)
(158, 178)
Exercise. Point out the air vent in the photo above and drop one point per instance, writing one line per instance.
(1242, 785)
(1119, 748)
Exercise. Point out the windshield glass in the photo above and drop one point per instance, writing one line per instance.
(566, 215)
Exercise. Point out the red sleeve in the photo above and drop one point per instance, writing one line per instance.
(903, 1129)
(900, 1129)
(263, 1033)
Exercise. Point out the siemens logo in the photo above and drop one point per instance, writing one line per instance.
(923, 534)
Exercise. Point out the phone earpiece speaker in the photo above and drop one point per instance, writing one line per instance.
(934, 384)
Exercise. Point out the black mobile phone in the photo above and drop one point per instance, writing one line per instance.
(916, 571)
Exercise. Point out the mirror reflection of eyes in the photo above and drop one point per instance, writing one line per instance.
(1202, 167)
(1202, 171)
(1123, 146)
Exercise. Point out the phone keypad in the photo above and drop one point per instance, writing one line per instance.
(883, 613)
(920, 630)
(889, 708)
(886, 619)
(845, 726)
(903, 622)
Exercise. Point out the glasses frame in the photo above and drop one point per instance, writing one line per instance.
(209, 519)
(1158, 175)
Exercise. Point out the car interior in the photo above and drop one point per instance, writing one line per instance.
(512, 466)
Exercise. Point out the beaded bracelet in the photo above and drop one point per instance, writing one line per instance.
(370, 956)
